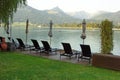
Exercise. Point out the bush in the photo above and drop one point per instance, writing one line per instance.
(106, 37)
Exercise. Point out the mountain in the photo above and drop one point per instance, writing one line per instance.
(97, 17)
(100, 12)
(59, 16)
(80, 15)
(42, 16)
(113, 16)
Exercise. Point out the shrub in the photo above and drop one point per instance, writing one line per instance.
(106, 36)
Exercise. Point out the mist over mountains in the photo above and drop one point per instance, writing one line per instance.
(59, 16)
(80, 15)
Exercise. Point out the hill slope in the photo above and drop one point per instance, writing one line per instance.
(42, 16)
(113, 16)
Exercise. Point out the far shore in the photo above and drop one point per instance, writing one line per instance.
(58, 27)
(79, 28)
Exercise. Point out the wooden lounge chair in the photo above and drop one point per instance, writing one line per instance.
(68, 51)
(22, 46)
(47, 47)
(13, 41)
(86, 52)
(36, 46)
(0, 39)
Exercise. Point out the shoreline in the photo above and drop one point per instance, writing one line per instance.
(78, 28)
(58, 27)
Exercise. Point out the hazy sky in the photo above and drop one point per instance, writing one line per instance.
(77, 5)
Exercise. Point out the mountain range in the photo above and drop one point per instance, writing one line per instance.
(59, 16)
(42, 16)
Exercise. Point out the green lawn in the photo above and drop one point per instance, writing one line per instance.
(16, 66)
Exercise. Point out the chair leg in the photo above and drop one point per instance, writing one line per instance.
(60, 57)
(40, 52)
(78, 58)
(76, 55)
(70, 57)
(89, 61)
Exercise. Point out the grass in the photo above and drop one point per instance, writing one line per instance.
(16, 66)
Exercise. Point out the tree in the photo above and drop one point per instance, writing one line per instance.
(106, 36)
(8, 8)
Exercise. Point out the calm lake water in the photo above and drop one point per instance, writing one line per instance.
(64, 35)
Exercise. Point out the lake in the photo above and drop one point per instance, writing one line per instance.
(64, 35)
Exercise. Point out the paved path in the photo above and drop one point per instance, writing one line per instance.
(53, 56)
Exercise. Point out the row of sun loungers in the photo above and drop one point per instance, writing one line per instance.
(36, 47)
(84, 54)
(68, 52)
